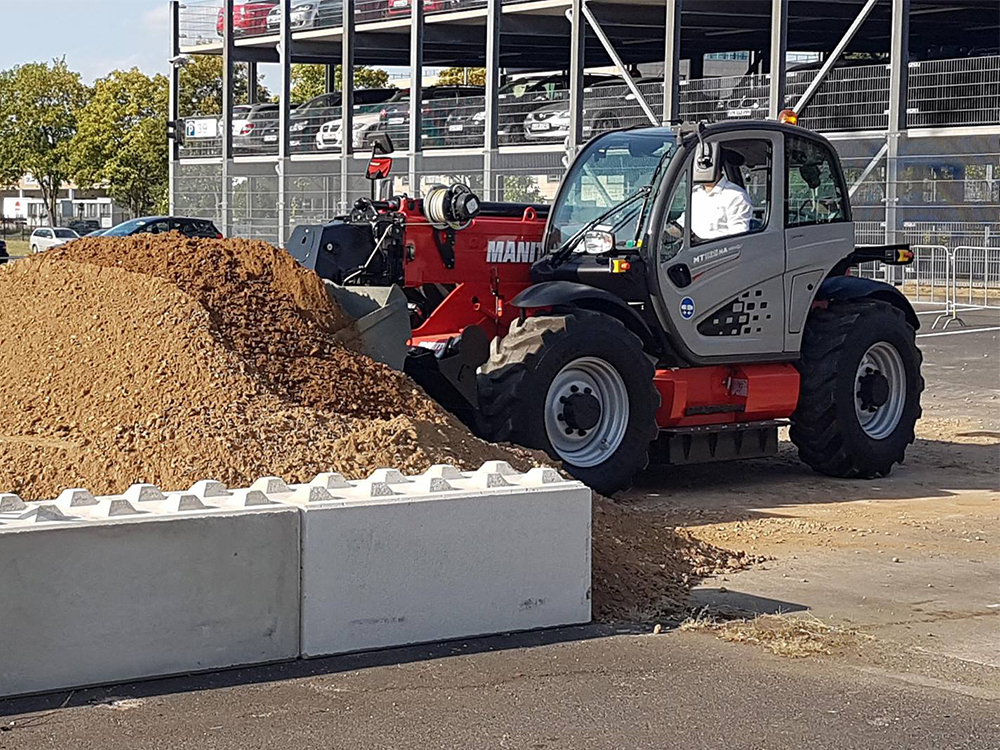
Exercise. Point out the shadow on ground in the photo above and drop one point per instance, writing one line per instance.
(740, 490)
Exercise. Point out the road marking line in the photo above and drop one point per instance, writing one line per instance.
(956, 333)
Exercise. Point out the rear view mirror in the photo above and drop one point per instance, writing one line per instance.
(707, 165)
(598, 242)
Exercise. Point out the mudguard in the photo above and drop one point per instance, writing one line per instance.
(570, 293)
(845, 288)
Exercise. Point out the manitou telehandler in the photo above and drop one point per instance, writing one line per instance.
(604, 329)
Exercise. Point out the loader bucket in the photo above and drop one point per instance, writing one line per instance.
(382, 320)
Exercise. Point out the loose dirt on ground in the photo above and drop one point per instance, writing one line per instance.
(168, 360)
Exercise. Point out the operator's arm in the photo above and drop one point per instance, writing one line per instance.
(739, 213)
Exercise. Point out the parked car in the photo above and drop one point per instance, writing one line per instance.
(95, 233)
(249, 18)
(395, 8)
(44, 238)
(189, 227)
(608, 105)
(367, 105)
(259, 131)
(318, 14)
(84, 226)
(437, 102)
(366, 119)
(240, 113)
(518, 98)
(308, 119)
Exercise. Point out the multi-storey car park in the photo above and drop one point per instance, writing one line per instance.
(908, 90)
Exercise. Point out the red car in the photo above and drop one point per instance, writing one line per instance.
(249, 18)
(402, 7)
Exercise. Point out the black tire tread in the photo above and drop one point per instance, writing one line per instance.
(814, 425)
(506, 374)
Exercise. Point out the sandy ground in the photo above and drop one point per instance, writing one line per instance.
(911, 560)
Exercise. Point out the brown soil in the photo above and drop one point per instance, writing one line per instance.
(167, 360)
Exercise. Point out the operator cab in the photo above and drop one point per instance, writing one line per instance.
(716, 236)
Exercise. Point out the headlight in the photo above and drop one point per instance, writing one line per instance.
(303, 8)
(479, 117)
(298, 127)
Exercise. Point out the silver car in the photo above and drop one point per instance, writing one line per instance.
(46, 237)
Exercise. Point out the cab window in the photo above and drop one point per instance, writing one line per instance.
(815, 194)
(740, 202)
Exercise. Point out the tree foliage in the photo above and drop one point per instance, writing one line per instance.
(120, 142)
(457, 77)
(38, 108)
(309, 81)
(201, 86)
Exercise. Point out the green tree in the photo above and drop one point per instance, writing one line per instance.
(462, 76)
(309, 81)
(120, 141)
(201, 86)
(38, 106)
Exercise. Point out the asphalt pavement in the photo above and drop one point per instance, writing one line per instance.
(579, 688)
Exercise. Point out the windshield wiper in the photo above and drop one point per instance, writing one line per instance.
(569, 245)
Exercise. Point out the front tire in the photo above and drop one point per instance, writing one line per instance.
(860, 395)
(577, 386)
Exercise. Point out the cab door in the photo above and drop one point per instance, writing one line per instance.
(819, 231)
(723, 294)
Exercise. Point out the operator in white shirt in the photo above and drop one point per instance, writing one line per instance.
(719, 209)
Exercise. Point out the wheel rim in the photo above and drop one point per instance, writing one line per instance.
(586, 412)
(880, 390)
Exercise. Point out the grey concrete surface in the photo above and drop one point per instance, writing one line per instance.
(674, 690)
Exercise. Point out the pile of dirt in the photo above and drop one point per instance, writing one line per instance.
(168, 360)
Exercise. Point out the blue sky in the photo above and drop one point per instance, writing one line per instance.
(96, 36)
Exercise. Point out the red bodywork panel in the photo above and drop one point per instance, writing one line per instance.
(493, 258)
(755, 393)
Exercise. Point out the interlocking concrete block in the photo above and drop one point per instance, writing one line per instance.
(96, 597)
(445, 555)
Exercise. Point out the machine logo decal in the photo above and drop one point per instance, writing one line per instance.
(687, 308)
(513, 251)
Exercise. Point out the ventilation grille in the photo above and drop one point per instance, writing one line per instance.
(747, 315)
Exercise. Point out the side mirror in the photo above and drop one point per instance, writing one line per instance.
(707, 165)
(598, 242)
(381, 144)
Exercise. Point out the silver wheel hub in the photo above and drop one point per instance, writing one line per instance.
(586, 412)
(880, 390)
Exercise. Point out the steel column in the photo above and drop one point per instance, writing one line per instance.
(672, 62)
(779, 55)
(416, 92)
(577, 61)
(899, 60)
(252, 80)
(832, 58)
(494, 19)
(228, 55)
(346, 98)
(284, 114)
(174, 101)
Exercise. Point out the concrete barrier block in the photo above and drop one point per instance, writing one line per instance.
(99, 600)
(331, 481)
(207, 489)
(429, 563)
(75, 498)
(10, 502)
(144, 493)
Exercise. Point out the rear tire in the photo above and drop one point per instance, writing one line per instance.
(860, 395)
(577, 386)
